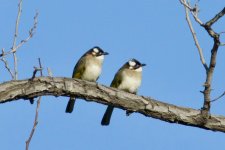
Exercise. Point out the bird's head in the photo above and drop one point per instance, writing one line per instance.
(135, 65)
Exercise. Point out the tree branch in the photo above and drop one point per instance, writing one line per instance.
(194, 11)
(91, 91)
(37, 110)
(6, 64)
(217, 43)
(195, 38)
(34, 125)
(15, 38)
(212, 64)
(216, 18)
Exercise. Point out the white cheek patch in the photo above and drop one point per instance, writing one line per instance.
(100, 57)
(139, 69)
(95, 50)
(132, 63)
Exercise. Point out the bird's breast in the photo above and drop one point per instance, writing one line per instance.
(92, 72)
(130, 83)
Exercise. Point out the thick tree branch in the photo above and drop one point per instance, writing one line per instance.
(90, 91)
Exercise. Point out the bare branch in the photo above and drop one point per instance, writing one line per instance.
(194, 11)
(195, 38)
(212, 64)
(91, 91)
(39, 61)
(218, 97)
(31, 33)
(7, 65)
(35, 124)
(36, 69)
(37, 112)
(15, 38)
(216, 18)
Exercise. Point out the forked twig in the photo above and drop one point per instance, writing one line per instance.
(7, 65)
(195, 38)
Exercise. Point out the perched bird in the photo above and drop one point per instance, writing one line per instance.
(88, 68)
(128, 79)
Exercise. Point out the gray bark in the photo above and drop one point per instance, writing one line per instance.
(90, 91)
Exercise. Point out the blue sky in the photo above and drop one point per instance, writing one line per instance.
(154, 32)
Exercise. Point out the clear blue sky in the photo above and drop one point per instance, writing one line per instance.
(154, 32)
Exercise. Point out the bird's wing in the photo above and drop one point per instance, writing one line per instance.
(79, 68)
(117, 79)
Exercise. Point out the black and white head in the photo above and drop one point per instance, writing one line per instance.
(97, 52)
(135, 65)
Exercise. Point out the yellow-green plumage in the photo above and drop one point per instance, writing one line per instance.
(87, 68)
(126, 79)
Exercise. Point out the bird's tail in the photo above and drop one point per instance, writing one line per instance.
(70, 105)
(107, 116)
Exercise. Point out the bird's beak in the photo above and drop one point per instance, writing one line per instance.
(143, 65)
(105, 53)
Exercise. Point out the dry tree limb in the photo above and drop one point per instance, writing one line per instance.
(37, 108)
(212, 64)
(94, 92)
(217, 43)
(15, 47)
(216, 18)
(195, 38)
(31, 33)
(15, 38)
(35, 124)
(194, 11)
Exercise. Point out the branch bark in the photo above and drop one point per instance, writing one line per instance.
(212, 64)
(91, 91)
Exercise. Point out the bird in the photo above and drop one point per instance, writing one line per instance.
(128, 78)
(88, 68)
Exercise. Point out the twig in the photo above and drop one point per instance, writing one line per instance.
(37, 111)
(39, 61)
(195, 38)
(218, 97)
(16, 47)
(216, 18)
(7, 65)
(194, 11)
(31, 33)
(35, 123)
(36, 69)
(15, 38)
